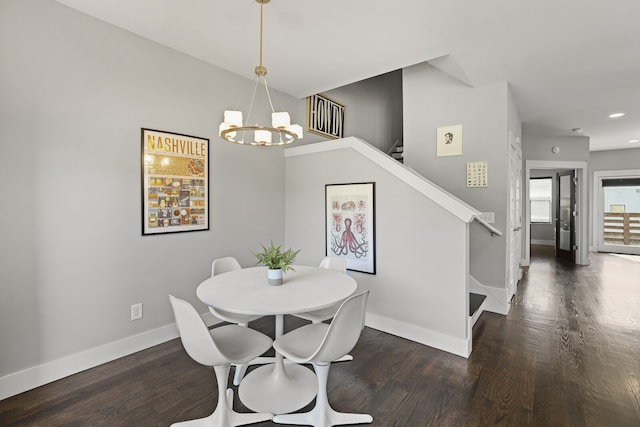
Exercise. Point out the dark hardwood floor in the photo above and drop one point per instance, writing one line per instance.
(568, 354)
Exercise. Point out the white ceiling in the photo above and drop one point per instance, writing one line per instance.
(570, 63)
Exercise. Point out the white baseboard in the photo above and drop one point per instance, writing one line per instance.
(36, 376)
(543, 242)
(460, 347)
(497, 300)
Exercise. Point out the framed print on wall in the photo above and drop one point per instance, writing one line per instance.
(449, 141)
(350, 224)
(175, 182)
(325, 117)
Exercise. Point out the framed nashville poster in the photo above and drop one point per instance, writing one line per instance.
(175, 182)
(350, 225)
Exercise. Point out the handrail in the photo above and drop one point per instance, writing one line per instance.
(494, 231)
(440, 196)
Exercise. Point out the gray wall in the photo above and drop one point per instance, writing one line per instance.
(75, 93)
(614, 160)
(373, 109)
(538, 147)
(433, 99)
(421, 255)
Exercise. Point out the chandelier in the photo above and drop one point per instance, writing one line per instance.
(281, 131)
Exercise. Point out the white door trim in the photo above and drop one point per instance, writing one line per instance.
(582, 204)
(598, 201)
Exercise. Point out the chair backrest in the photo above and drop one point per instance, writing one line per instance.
(222, 265)
(195, 336)
(334, 263)
(344, 331)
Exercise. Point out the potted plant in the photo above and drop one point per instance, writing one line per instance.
(276, 261)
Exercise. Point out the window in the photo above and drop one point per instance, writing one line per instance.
(540, 192)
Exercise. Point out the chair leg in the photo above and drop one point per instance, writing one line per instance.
(322, 414)
(239, 374)
(224, 415)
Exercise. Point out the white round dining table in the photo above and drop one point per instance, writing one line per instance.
(277, 388)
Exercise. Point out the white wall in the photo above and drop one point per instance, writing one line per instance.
(420, 288)
(75, 93)
(433, 99)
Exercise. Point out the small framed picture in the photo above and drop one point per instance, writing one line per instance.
(350, 225)
(449, 141)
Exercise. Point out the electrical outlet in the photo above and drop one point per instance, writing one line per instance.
(136, 311)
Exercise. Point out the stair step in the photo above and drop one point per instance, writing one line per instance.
(475, 301)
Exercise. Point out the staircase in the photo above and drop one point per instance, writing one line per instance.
(396, 151)
(475, 302)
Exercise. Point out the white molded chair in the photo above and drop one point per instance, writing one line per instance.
(320, 344)
(219, 266)
(317, 316)
(219, 348)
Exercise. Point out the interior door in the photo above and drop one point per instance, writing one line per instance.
(566, 216)
(515, 215)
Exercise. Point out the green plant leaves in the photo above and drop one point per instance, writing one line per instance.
(273, 258)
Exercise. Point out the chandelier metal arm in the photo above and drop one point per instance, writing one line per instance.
(233, 125)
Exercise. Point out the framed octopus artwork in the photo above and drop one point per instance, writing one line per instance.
(350, 224)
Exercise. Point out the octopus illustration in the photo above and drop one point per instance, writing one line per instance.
(348, 243)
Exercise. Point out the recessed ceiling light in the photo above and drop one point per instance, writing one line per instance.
(634, 140)
(616, 115)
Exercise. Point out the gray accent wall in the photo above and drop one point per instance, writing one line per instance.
(373, 109)
(433, 99)
(75, 93)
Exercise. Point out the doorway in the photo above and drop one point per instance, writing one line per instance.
(581, 246)
(565, 224)
(617, 212)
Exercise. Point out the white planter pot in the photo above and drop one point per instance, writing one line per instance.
(274, 277)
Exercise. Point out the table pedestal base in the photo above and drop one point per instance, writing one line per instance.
(278, 388)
